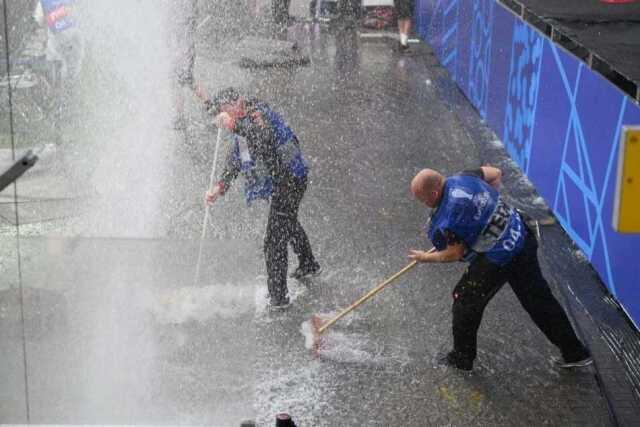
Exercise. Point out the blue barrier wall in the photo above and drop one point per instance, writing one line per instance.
(559, 121)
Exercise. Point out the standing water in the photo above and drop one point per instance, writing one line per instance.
(116, 332)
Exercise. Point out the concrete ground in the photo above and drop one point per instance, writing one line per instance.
(118, 332)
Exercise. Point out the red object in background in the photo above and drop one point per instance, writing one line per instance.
(618, 1)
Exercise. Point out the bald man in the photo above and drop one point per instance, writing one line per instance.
(472, 223)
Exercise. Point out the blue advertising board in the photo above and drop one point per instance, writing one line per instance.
(559, 121)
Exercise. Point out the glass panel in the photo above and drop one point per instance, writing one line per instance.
(12, 373)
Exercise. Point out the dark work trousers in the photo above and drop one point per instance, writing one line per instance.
(283, 228)
(280, 11)
(483, 280)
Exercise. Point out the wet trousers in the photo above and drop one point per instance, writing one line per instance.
(280, 11)
(283, 228)
(483, 280)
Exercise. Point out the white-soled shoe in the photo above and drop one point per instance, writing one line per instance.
(560, 363)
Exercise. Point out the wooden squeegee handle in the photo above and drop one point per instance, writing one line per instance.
(367, 296)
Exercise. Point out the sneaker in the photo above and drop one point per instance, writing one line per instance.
(306, 271)
(279, 304)
(451, 360)
(403, 48)
(560, 363)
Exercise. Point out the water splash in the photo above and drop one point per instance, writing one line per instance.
(175, 306)
(122, 136)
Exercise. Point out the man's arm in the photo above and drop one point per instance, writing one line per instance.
(493, 176)
(489, 174)
(230, 172)
(453, 252)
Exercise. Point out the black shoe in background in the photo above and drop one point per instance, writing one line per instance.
(403, 48)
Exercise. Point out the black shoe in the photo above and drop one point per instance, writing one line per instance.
(450, 359)
(279, 304)
(403, 48)
(570, 364)
(306, 271)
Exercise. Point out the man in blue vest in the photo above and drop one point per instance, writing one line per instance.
(471, 222)
(267, 153)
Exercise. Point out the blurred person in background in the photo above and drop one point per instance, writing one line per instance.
(183, 44)
(64, 42)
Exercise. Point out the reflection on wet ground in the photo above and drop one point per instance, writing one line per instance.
(134, 340)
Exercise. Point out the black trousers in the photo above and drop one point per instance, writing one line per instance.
(283, 228)
(280, 11)
(483, 280)
(404, 8)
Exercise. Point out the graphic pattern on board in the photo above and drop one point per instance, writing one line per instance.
(524, 82)
(559, 121)
(480, 57)
(447, 14)
(577, 175)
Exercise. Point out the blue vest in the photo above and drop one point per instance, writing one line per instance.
(476, 214)
(58, 14)
(258, 183)
(258, 180)
(287, 143)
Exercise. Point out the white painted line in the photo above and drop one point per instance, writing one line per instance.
(379, 35)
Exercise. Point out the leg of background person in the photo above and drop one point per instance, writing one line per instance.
(349, 8)
(404, 9)
(185, 82)
(478, 285)
(75, 56)
(532, 289)
(404, 28)
(280, 11)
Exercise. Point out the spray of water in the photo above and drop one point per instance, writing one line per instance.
(124, 132)
(117, 142)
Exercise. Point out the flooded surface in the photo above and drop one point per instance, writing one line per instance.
(116, 330)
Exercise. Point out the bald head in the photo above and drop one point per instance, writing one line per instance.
(427, 187)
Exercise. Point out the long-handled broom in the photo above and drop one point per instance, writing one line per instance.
(205, 222)
(318, 327)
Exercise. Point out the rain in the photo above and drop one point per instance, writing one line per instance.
(126, 299)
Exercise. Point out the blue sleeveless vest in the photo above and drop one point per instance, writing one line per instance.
(58, 14)
(258, 180)
(287, 143)
(258, 183)
(474, 211)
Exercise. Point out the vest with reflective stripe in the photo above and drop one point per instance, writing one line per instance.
(258, 183)
(287, 144)
(476, 214)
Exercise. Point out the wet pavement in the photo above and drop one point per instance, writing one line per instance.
(118, 332)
